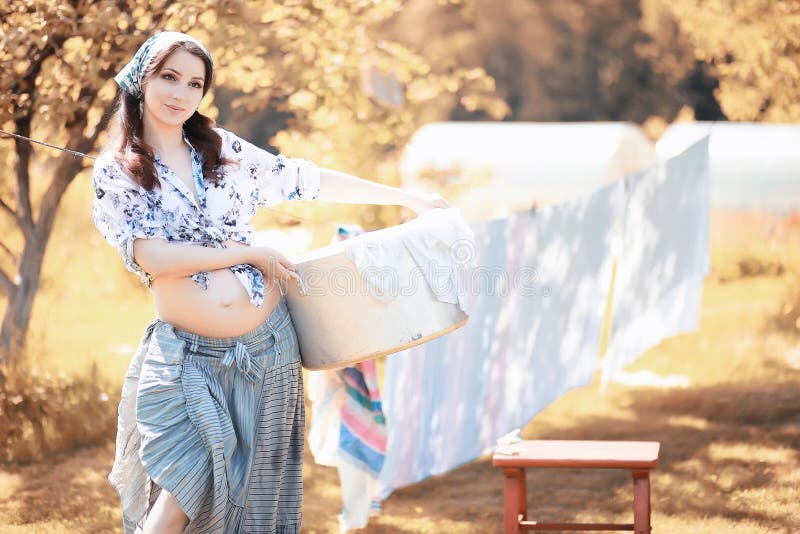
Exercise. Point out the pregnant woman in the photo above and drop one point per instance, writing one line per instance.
(211, 421)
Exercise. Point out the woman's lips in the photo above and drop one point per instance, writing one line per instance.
(173, 108)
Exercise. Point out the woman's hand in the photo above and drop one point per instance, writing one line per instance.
(426, 201)
(272, 264)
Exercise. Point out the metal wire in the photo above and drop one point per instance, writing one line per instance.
(67, 150)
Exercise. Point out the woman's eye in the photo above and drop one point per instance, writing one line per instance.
(169, 77)
(197, 85)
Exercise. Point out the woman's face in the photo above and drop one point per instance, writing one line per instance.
(173, 94)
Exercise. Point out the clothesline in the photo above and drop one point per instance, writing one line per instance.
(77, 154)
(67, 150)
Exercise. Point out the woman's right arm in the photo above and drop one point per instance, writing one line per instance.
(162, 258)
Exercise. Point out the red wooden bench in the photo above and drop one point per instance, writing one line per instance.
(638, 456)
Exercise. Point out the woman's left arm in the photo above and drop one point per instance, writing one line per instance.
(336, 186)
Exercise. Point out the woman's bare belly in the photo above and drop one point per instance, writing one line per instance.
(222, 310)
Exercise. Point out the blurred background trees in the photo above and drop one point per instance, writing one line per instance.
(586, 60)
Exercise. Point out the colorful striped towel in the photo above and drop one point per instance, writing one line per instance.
(362, 435)
(362, 443)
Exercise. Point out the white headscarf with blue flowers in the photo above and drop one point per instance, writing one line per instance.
(131, 76)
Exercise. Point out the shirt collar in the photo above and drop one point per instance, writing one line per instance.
(197, 175)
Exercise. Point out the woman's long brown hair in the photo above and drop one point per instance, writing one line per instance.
(136, 156)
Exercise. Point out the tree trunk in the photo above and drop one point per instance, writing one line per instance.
(20, 303)
(20, 298)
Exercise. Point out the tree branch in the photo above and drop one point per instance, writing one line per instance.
(6, 284)
(22, 121)
(8, 251)
(69, 166)
(10, 212)
(24, 151)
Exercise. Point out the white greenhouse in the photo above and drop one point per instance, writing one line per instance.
(488, 169)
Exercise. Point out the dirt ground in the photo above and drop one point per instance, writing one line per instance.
(730, 454)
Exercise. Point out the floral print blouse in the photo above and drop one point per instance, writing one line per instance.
(124, 211)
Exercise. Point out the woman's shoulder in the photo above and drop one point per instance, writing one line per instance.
(240, 149)
(108, 167)
(106, 160)
(232, 144)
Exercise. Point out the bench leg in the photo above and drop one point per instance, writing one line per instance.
(641, 501)
(515, 508)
